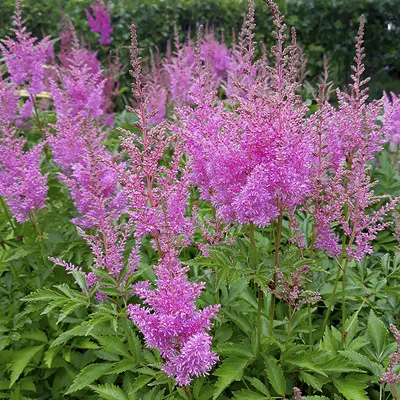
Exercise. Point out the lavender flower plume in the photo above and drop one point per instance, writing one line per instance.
(158, 196)
(21, 182)
(25, 57)
(170, 322)
(100, 22)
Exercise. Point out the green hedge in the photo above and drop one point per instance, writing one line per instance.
(324, 27)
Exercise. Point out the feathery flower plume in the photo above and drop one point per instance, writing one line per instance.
(390, 376)
(25, 57)
(351, 135)
(21, 182)
(81, 88)
(158, 196)
(255, 163)
(100, 22)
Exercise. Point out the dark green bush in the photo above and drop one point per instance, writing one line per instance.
(324, 27)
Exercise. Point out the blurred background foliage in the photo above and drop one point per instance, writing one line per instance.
(323, 27)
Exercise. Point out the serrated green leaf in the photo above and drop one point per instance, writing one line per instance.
(140, 381)
(76, 331)
(20, 360)
(113, 345)
(230, 370)
(360, 359)
(351, 389)
(68, 309)
(37, 335)
(275, 375)
(127, 364)
(44, 295)
(88, 375)
(377, 332)
(232, 349)
(109, 392)
(248, 395)
(50, 354)
(310, 380)
(259, 386)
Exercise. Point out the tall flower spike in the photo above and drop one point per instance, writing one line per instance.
(158, 197)
(352, 134)
(100, 21)
(21, 182)
(253, 164)
(26, 56)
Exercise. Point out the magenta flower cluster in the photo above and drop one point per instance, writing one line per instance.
(22, 184)
(26, 57)
(100, 22)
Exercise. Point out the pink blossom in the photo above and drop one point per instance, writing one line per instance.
(21, 182)
(100, 21)
(25, 57)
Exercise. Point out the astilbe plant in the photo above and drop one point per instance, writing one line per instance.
(100, 22)
(157, 197)
(392, 107)
(390, 376)
(255, 163)
(352, 134)
(25, 56)
(81, 85)
(87, 169)
(22, 184)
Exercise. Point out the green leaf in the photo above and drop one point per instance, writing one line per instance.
(233, 349)
(230, 370)
(69, 308)
(259, 386)
(113, 345)
(126, 364)
(362, 360)
(79, 330)
(50, 354)
(140, 381)
(44, 295)
(20, 360)
(109, 392)
(351, 389)
(311, 380)
(37, 335)
(377, 332)
(248, 395)
(88, 375)
(275, 375)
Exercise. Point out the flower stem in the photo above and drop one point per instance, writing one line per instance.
(39, 124)
(8, 215)
(271, 313)
(344, 331)
(310, 327)
(332, 299)
(289, 328)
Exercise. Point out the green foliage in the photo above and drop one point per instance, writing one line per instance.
(324, 28)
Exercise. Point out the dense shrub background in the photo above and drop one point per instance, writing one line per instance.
(323, 26)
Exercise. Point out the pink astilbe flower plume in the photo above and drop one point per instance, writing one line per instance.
(25, 56)
(170, 322)
(390, 376)
(100, 22)
(392, 107)
(8, 102)
(158, 93)
(81, 87)
(87, 169)
(253, 164)
(158, 196)
(346, 140)
(22, 184)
